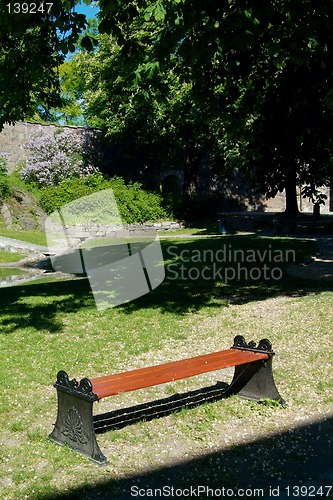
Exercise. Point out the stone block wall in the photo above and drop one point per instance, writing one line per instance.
(278, 204)
(76, 234)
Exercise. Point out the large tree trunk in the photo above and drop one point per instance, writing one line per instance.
(291, 193)
(193, 159)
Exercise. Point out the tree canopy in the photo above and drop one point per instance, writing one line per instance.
(264, 69)
(258, 73)
(154, 122)
(33, 44)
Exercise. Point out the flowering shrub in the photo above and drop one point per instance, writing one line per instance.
(5, 190)
(56, 157)
(3, 163)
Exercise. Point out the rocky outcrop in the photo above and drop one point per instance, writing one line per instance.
(21, 211)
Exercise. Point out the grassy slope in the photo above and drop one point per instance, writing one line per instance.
(35, 237)
(10, 256)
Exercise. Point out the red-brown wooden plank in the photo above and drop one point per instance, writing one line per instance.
(153, 375)
(227, 357)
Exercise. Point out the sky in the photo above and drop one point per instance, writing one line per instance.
(88, 10)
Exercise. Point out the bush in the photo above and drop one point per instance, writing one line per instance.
(53, 197)
(134, 204)
(5, 190)
(56, 157)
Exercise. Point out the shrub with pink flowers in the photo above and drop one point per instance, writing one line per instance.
(56, 157)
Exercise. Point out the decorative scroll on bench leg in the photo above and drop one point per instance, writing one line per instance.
(254, 380)
(74, 426)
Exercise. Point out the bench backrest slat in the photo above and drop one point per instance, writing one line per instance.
(175, 370)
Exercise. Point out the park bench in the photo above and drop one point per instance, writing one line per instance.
(253, 379)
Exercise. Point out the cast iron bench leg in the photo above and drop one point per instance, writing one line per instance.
(255, 381)
(75, 425)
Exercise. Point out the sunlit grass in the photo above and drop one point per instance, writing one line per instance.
(36, 237)
(8, 271)
(6, 257)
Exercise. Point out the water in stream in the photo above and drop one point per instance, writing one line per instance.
(10, 276)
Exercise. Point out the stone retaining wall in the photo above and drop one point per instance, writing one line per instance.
(79, 233)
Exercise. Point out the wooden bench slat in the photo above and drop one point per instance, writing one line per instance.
(176, 370)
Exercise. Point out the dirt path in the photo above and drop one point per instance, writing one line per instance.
(321, 266)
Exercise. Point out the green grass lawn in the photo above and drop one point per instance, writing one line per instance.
(9, 271)
(53, 324)
(36, 237)
(6, 257)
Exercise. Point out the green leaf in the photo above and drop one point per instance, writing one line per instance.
(160, 12)
(147, 16)
(138, 77)
(87, 43)
(109, 6)
(153, 69)
(104, 27)
(148, 12)
(67, 4)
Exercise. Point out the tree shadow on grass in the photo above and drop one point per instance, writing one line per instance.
(37, 305)
(185, 288)
(197, 276)
(275, 466)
